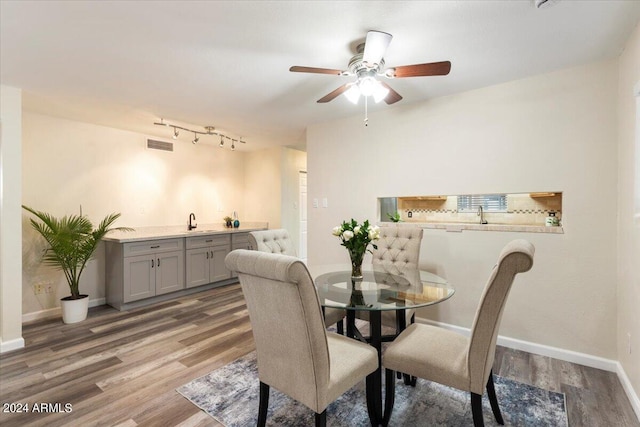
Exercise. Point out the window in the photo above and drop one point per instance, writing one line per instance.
(489, 202)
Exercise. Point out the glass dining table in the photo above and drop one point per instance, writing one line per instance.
(381, 288)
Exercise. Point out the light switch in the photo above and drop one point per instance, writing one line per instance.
(325, 202)
(315, 203)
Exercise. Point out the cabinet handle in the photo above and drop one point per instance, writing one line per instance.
(211, 254)
(207, 254)
(210, 240)
(155, 247)
(158, 262)
(152, 260)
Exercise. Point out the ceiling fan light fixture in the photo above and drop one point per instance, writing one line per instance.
(380, 92)
(353, 93)
(367, 85)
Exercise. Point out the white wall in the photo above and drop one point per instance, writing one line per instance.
(262, 193)
(67, 164)
(271, 192)
(550, 132)
(10, 214)
(628, 227)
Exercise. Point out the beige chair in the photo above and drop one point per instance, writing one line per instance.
(453, 359)
(398, 253)
(307, 363)
(277, 241)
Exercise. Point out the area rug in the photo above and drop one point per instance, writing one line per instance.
(231, 395)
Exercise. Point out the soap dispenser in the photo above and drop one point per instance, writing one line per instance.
(552, 220)
(236, 222)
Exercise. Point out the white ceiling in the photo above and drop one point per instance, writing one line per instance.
(126, 64)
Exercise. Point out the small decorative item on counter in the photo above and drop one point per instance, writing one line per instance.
(394, 217)
(236, 222)
(227, 221)
(552, 220)
(356, 238)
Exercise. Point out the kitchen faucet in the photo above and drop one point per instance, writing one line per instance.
(481, 215)
(192, 226)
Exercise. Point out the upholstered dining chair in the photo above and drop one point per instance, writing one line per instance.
(453, 359)
(307, 363)
(277, 241)
(398, 251)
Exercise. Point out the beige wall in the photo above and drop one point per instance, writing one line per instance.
(628, 227)
(293, 161)
(67, 164)
(10, 214)
(262, 193)
(556, 131)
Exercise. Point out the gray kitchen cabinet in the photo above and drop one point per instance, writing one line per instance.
(140, 270)
(205, 259)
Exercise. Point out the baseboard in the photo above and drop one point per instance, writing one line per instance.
(628, 388)
(11, 345)
(557, 353)
(55, 312)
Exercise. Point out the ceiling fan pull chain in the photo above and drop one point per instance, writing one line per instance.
(366, 112)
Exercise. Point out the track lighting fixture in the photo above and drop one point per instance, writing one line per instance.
(209, 130)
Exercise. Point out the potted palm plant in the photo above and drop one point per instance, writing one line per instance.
(72, 242)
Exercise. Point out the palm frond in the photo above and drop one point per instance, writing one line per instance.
(72, 241)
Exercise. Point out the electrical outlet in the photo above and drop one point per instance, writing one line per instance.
(38, 289)
(629, 342)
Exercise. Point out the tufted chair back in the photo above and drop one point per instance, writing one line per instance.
(276, 241)
(399, 247)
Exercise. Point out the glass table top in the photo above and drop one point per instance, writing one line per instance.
(380, 288)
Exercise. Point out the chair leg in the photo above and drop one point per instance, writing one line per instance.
(491, 392)
(476, 410)
(264, 404)
(340, 326)
(321, 419)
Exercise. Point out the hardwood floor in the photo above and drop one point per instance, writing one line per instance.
(122, 368)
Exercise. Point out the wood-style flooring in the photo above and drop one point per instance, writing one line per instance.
(122, 368)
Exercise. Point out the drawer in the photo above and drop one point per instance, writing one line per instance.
(152, 247)
(210, 240)
(240, 238)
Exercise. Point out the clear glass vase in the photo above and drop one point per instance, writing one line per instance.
(356, 264)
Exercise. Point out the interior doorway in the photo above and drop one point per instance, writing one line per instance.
(302, 202)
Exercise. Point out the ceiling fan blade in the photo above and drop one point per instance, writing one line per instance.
(417, 70)
(393, 96)
(375, 46)
(334, 94)
(298, 69)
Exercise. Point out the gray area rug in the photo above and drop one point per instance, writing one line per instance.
(231, 394)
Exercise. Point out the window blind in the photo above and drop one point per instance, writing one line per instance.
(489, 202)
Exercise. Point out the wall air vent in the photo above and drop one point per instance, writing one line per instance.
(159, 145)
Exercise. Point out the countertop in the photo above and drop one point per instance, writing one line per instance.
(177, 231)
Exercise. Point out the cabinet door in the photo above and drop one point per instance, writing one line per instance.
(218, 269)
(197, 266)
(169, 272)
(139, 277)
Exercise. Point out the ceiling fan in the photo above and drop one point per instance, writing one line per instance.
(367, 65)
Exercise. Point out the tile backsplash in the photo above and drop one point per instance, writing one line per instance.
(522, 209)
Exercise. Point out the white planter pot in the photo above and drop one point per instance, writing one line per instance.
(74, 310)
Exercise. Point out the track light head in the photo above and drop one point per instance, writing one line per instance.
(233, 145)
(195, 138)
(176, 132)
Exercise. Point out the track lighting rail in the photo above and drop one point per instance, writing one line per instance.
(209, 130)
